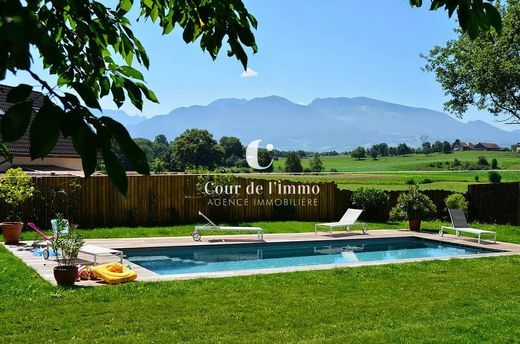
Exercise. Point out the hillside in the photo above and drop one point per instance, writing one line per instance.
(325, 124)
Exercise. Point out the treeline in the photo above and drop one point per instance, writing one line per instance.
(384, 149)
(196, 150)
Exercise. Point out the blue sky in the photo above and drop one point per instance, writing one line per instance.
(307, 49)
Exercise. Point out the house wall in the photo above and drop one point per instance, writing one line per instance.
(70, 163)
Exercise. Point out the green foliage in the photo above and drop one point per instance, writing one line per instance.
(66, 244)
(158, 166)
(15, 188)
(494, 164)
(413, 204)
(456, 201)
(195, 148)
(98, 42)
(293, 163)
(482, 72)
(359, 153)
(233, 150)
(374, 203)
(475, 16)
(494, 177)
(316, 165)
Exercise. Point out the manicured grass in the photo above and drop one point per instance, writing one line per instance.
(504, 233)
(463, 301)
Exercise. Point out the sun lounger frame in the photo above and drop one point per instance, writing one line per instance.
(211, 226)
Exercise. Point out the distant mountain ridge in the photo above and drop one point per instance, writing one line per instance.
(325, 124)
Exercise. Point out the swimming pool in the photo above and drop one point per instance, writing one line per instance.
(217, 258)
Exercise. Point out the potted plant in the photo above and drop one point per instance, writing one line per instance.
(66, 246)
(413, 206)
(15, 188)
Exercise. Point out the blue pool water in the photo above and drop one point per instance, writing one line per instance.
(197, 259)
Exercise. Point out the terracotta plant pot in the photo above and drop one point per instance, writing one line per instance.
(65, 275)
(414, 224)
(11, 232)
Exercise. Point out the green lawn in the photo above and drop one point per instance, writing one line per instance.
(460, 300)
(465, 301)
(504, 233)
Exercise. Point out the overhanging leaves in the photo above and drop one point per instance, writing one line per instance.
(45, 129)
(130, 149)
(15, 121)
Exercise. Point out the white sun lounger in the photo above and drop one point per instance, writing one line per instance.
(460, 225)
(98, 251)
(349, 218)
(210, 226)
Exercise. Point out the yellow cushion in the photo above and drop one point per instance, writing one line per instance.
(114, 273)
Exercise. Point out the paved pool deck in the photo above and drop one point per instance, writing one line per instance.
(45, 268)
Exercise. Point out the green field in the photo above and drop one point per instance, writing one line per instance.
(392, 173)
(454, 301)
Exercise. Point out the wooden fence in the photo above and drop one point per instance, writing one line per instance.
(176, 199)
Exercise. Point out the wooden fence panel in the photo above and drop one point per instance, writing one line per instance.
(174, 199)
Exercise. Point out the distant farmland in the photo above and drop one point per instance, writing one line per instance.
(392, 173)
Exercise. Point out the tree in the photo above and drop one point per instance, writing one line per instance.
(437, 146)
(293, 163)
(403, 149)
(446, 147)
(147, 147)
(359, 153)
(195, 148)
(316, 164)
(374, 153)
(483, 72)
(382, 149)
(233, 149)
(264, 159)
(90, 47)
(426, 147)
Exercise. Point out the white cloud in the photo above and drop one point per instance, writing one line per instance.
(249, 73)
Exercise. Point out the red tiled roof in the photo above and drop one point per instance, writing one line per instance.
(64, 146)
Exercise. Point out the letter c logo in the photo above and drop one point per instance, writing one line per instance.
(252, 155)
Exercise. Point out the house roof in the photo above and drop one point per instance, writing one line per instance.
(467, 144)
(21, 147)
(488, 145)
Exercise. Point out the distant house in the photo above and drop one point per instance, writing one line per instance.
(463, 146)
(62, 158)
(516, 148)
(487, 146)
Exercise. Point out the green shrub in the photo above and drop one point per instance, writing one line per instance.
(410, 182)
(494, 177)
(413, 204)
(456, 201)
(426, 181)
(494, 164)
(374, 203)
(482, 161)
(15, 188)
(477, 179)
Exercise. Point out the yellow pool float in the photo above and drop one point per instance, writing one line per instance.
(114, 273)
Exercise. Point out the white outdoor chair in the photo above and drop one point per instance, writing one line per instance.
(348, 219)
(210, 226)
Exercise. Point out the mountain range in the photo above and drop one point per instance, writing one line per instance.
(325, 124)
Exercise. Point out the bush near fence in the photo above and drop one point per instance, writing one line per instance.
(173, 199)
